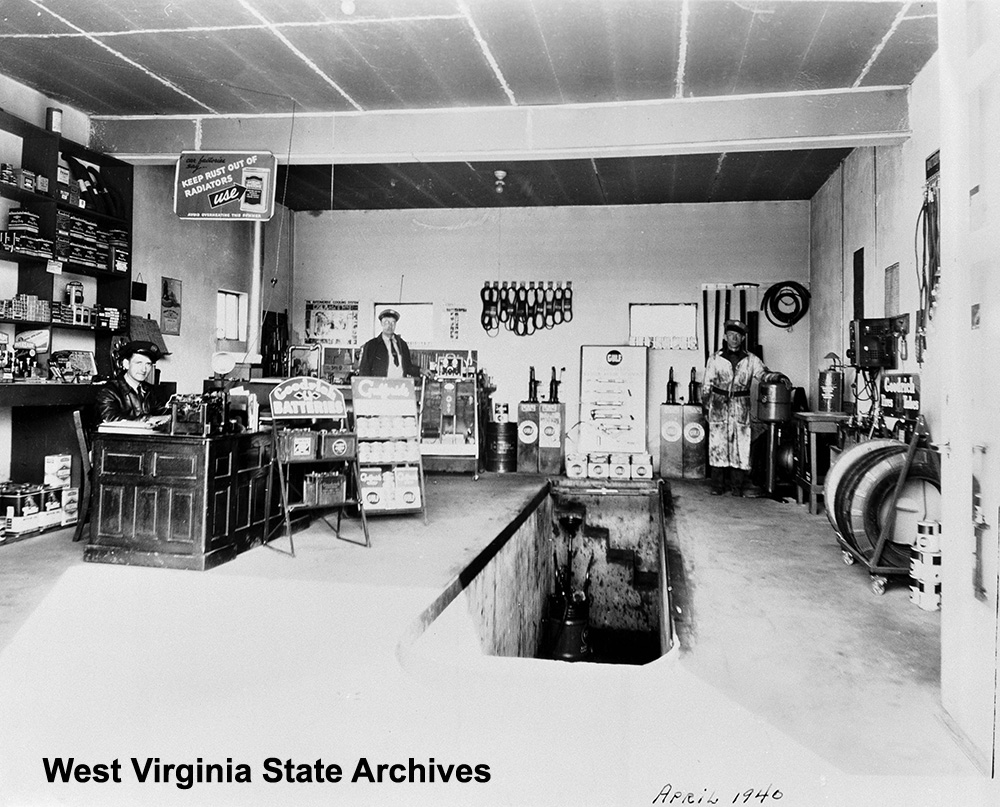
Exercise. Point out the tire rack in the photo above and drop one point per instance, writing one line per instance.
(880, 573)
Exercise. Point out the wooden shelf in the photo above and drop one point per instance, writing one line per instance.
(46, 393)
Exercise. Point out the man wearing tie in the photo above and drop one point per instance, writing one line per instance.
(387, 354)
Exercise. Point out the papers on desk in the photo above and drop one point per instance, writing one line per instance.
(150, 425)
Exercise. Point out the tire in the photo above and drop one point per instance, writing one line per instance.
(852, 476)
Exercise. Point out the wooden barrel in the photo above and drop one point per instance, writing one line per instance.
(501, 447)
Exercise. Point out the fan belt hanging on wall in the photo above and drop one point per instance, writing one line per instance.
(524, 308)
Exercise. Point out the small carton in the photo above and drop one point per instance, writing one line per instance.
(58, 470)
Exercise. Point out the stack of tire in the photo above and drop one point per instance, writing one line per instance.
(858, 493)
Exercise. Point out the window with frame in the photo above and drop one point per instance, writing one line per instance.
(231, 312)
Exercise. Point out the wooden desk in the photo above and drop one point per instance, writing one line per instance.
(182, 502)
(813, 431)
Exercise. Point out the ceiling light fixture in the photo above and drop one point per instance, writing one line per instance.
(348, 7)
(498, 185)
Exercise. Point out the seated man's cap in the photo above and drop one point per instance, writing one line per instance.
(388, 312)
(736, 325)
(143, 348)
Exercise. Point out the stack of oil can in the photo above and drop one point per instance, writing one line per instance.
(925, 566)
(29, 508)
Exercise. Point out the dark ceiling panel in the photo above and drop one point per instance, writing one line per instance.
(688, 178)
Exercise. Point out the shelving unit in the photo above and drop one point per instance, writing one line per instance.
(309, 430)
(42, 410)
(387, 423)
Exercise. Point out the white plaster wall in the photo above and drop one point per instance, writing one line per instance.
(205, 256)
(612, 255)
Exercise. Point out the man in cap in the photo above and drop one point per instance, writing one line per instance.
(387, 354)
(726, 401)
(129, 397)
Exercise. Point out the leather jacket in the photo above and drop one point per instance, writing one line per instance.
(116, 400)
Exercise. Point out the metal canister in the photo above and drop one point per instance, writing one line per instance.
(831, 391)
(775, 399)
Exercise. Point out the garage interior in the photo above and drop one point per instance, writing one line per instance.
(424, 149)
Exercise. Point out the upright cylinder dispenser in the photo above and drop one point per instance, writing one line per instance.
(831, 386)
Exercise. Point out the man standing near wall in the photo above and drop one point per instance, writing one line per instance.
(726, 401)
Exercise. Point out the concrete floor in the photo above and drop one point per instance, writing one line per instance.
(790, 673)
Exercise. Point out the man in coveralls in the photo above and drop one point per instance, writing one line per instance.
(726, 402)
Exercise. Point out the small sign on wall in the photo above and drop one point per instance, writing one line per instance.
(225, 185)
(170, 307)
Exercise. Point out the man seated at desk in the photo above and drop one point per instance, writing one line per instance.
(129, 397)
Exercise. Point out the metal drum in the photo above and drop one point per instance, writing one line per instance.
(846, 467)
(775, 398)
(501, 447)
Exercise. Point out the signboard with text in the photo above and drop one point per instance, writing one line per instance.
(225, 185)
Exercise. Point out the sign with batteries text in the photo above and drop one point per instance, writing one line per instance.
(307, 397)
(225, 185)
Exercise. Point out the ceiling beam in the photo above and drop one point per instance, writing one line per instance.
(822, 119)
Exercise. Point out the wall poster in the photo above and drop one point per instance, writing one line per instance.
(170, 306)
(333, 323)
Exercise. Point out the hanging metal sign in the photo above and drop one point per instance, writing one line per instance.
(900, 395)
(225, 185)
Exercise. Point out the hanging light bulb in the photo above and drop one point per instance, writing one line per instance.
(500, 175)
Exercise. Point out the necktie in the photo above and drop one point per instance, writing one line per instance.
(395, 355)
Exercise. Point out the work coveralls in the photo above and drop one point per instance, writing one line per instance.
(726, 396)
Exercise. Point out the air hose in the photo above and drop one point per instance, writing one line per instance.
(785, 303)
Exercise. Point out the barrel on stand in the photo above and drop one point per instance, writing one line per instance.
(501, 447)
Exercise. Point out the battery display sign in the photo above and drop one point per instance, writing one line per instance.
(899, 396)
(225, 185)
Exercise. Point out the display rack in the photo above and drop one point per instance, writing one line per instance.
(309, 430)
(386, 418)
(451, 410)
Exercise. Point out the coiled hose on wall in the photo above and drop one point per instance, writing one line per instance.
(785, 303)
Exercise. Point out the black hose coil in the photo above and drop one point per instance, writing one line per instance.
(778, 297)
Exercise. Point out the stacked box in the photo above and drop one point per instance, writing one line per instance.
(58, 470)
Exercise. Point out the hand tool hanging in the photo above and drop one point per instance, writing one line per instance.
(704, 320)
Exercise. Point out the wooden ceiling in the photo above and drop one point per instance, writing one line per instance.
(121, 58)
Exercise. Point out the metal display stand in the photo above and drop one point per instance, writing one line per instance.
(310, 429)
(387, 420)
(879, 571)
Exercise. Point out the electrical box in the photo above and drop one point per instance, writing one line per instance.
(873, 344)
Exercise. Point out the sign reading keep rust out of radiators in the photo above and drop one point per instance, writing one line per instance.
(225, 185)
